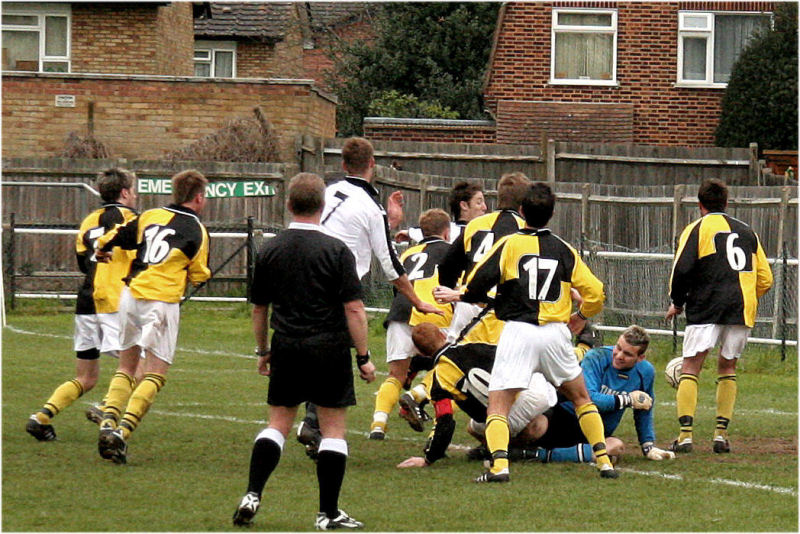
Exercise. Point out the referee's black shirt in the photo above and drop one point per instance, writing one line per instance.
(307, 276)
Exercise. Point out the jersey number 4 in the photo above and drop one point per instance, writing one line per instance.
(156, 245)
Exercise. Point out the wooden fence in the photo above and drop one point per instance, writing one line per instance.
(47, 261)
(562, 162)
(600, 219)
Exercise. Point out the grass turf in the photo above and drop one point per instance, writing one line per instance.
(188, 461)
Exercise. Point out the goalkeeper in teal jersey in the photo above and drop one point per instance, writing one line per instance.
(617, 378)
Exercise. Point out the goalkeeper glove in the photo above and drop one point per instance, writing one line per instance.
(656, 454)
(638, 400)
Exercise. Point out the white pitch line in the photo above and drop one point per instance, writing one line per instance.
(769, 411)
(668, 476)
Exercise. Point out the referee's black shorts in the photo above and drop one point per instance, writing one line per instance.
(316, 368)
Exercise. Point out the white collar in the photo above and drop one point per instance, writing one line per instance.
(305, 226)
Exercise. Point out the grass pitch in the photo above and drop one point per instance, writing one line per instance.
(188, 461)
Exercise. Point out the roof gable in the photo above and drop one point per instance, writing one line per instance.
(265, 20)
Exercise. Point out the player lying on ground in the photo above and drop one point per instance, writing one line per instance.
(461, 374)
(617, 378)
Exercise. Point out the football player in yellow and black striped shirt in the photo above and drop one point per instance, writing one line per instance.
(719, 273)
(477, 239)
(534, 272)
(96, 318)
(171, 248)
(421, 263)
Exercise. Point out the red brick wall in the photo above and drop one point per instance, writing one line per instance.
(317, 61)
(146, 117)
(135, 39)
(521, 122)
(453, 133)
(175, 39)
(647, 52)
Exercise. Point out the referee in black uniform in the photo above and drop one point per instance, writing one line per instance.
(310, 280)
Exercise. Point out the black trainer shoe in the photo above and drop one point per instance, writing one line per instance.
(40, 431)
(411, 412)
(590, 335)
(310, 437)
(608, 471)
(323, 522)
(111, 446)
(377, 434)
(721, 445)
(247, 509)
(682, 447)
(479, 453)
(94, 413)
(488, 476)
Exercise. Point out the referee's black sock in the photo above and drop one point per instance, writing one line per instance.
(331, 466)
(264, 458)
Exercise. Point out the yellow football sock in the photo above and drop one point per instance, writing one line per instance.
(141, 400)
(119, 391)
(726, 398)
(687, 404)
(388, 395)
(592, 427)
(497, 441)
(63, 396)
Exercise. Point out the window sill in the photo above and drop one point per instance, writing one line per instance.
(700, 85)
(594, 83)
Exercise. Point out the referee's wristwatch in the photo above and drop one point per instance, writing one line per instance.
(361, 359)
(261, 353)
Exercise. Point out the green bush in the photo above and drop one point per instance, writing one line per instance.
(393, 103)
(760, 103)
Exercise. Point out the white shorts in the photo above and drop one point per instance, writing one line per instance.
(702, 337)
(526, 348)
(399, 345)
(463, 313)
(529, 404)
(151, 324)
(97, 331)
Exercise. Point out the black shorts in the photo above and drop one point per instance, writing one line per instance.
(316, 368)
(563, 429)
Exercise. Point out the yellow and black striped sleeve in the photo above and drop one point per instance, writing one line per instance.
(685, 258)
(486, 274)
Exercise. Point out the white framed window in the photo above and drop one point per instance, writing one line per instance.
(710, 43)
(584, 47)
(36, 37)
(215, 59)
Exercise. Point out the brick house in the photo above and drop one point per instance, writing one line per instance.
(137, 64)
(636, 72)
(274, 39)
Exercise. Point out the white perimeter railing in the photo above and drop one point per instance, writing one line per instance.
(243, 235)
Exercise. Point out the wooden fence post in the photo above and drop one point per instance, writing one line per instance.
(550, 161)
(586, 190)
(12, 282)
(778, 289)
(755, 175)
(423, 192)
